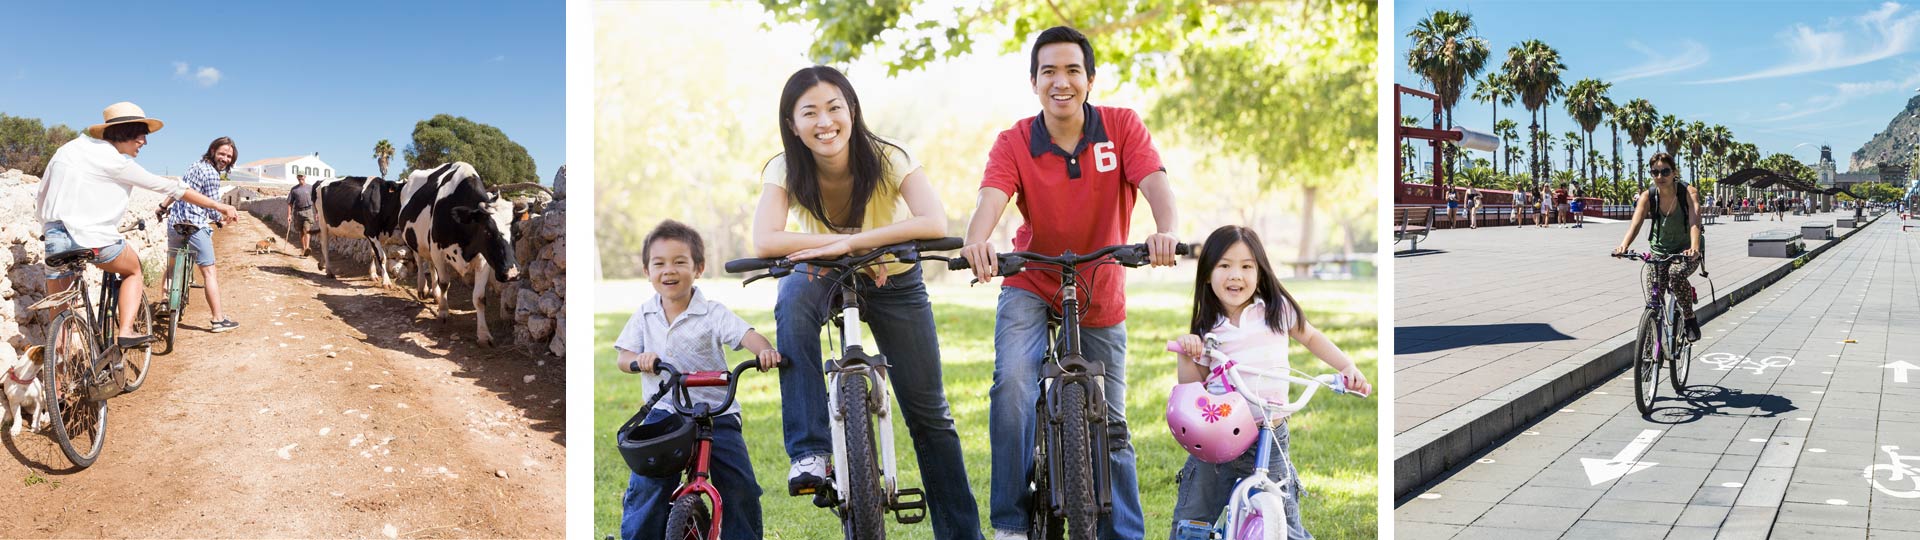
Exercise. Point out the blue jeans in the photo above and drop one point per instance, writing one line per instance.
(1205, 487)
(644, 508)
(902, 323)
(1019, 350)
(58, 241)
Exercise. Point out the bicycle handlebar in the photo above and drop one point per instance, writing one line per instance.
(679, 382)
(1648, 256)
(1129, 255)
(1334, 381)
(906, 252)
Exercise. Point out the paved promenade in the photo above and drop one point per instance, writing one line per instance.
(1800, 400)
(1486, 318)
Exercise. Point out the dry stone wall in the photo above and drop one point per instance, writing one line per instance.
(24, 280)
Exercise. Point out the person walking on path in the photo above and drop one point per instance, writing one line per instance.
(1543, 202)
(1560, 204)
(1473, 206)
(203, 177)
(1453, 204)
(300, 212)
(1520, 207)
(1576, 206)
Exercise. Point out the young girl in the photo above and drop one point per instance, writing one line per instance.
(1237, 298)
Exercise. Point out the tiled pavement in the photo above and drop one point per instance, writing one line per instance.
(1784, 420)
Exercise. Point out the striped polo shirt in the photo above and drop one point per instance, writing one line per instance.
(696, 341)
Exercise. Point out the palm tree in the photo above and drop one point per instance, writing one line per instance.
(1638, 116)
(1719, 139)
(1671, 132)
(1573, 143)
(1535, 68)
(1446, 53)
(1506, 129)
(1406, 147)
(383, 154)
(1587, 103)
(1696, 142)
(1496, 91)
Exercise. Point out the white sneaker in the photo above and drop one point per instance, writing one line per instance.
(1008, 535)
(806, 474)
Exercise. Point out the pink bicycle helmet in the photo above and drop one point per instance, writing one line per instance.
(1214, 428)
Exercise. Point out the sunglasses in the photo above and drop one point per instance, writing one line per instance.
(1660, 172)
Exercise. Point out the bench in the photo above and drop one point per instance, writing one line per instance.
(1412, 223)
(1781, 243)
(1710, 214)
(1743, 214)
(1846, 223)
(1816, 230)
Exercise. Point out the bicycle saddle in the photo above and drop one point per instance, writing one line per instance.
(69, 257)
(186, 229)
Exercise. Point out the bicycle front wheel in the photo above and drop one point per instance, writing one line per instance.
(688, 519)
(137, 360)
(1681, 348)
(1076, 464)
(1646, 362)
(863, 512)
(79, 423)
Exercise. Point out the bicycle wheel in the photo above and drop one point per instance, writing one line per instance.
(688, 519)
(79, 423)
(137, 360)
(863, 516)
(1076, 464)
(1680, 348)
(1646, 362)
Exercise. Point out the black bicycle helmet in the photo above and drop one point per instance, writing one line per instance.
(659, 449)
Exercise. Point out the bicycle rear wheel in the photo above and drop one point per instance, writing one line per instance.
(1076, 464)
(79, 423)
(137, 360)
(1646, 362)
(863, 514)
(1680, 349)
(688, 519)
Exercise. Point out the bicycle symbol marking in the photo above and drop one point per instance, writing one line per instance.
(1901, 472)
(1729, 362)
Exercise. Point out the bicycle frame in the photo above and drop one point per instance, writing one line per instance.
(1070, 366)
(696, 482)
(855, 362)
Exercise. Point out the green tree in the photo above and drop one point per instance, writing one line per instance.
(383, 154)
(1638, 118)
(446, 138)
(1507, 130)
(1535, 69)
(1696, 142)
(1587, 103)
(1447, 54)
(28, 145)
(1495, 91)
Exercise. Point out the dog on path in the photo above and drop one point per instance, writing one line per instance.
(22, 388)
(264, 246)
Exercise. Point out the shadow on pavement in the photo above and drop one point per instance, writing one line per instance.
(1703, 400)
(1417, 253)
(1424, 339)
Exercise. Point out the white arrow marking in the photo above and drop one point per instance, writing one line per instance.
(1626, 462)
(1900, 370)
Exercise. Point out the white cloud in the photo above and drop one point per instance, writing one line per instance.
(205, 76)
(1887, 31)
(1845, 93)
(1692, 54)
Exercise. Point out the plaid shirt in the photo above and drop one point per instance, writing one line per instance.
(203, 178)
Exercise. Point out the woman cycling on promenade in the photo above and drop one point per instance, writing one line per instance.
(1674, 208)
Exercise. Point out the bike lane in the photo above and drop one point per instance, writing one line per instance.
(1797, 401)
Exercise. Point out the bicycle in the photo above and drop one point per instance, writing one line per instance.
(1660, 338)
(179, 285)
(859, 490)
(1256, 510)
(1071, 427)
(84, 366)
(688, 516)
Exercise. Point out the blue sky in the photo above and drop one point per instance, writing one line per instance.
(1777, 74)
(288, 79)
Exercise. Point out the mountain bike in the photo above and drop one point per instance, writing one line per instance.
(1257, 510)
(84, 366)
(1661, 339)
(688, 516)
(1071, 432)
(863, 484)
(179, 284)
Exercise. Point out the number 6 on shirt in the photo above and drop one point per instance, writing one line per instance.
(1103, 158)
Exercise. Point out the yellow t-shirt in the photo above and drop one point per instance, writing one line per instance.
(886, 206)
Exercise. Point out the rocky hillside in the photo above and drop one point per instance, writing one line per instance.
(1888, 145)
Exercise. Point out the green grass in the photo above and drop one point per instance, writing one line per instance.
(1334, 440)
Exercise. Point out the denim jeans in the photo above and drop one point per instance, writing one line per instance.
(902, 322)
(644, 508)
(1205, 487)
(1019, 348)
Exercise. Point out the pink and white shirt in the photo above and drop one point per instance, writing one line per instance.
(1259, 351)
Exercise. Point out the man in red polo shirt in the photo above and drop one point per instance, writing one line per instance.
(1077, 169)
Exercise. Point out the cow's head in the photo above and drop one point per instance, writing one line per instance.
(488, 222)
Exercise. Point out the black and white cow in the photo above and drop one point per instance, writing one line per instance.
(457, 227)
(359, 207)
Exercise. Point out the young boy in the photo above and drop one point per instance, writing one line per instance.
(681, 327)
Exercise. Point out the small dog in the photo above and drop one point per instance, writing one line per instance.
(21, 385)
(264, 246)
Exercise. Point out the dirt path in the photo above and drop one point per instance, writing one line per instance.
(335, 410)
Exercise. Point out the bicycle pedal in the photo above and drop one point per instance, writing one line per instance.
(909, 506)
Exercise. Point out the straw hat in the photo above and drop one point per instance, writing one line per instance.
(122, 113)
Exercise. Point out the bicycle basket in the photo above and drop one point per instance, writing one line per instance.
(658, 449)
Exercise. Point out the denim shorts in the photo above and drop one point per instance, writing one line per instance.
(58, 241)
(201, 241)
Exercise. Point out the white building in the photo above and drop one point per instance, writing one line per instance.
(281, 170)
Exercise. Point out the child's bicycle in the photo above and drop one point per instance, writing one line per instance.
(667, 449)
(84, 367)
(859, 490)
(1070, 477)
(1256, 510)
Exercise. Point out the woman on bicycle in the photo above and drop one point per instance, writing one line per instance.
(844, 190)
(1240, 301)
(1674, 208)
(84, 197)
(203, 177)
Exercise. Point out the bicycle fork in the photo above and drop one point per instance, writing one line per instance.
(856, 363)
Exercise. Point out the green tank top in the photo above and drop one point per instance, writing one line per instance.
(1669, 234)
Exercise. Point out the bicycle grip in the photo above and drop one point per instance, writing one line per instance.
(942, 244)
(958, 263)
(741, 266)
(1173, 346)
